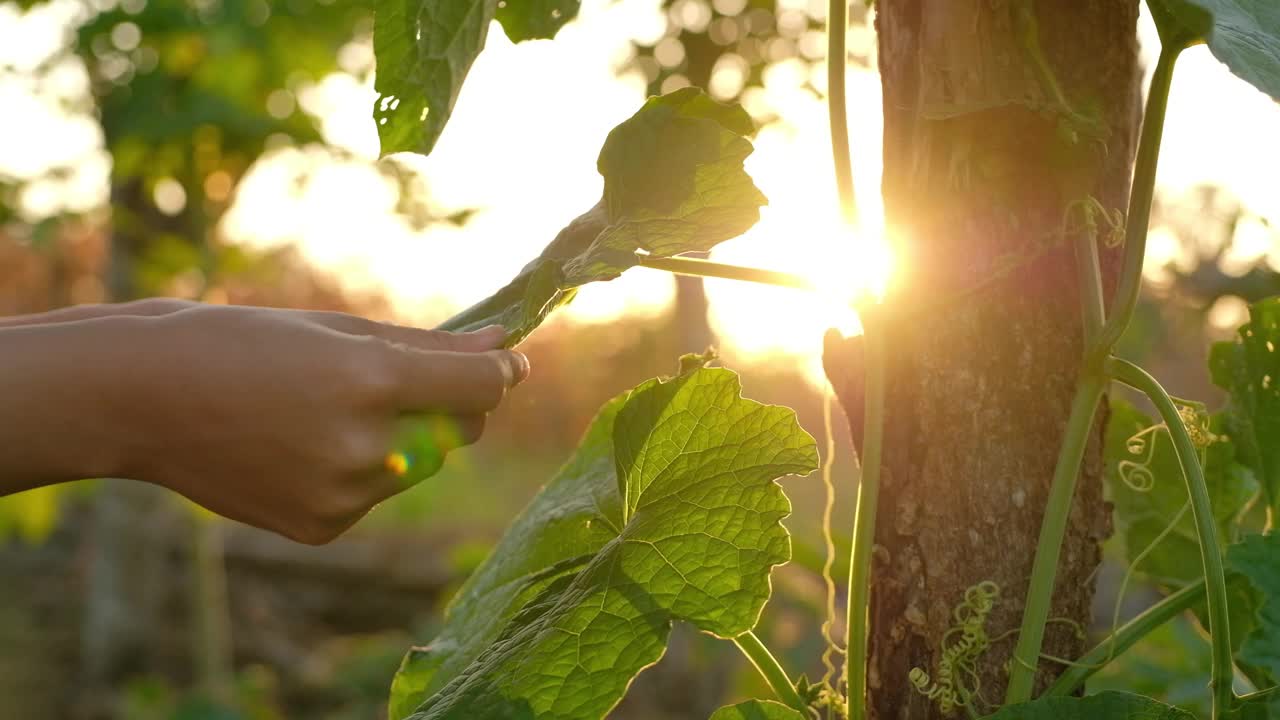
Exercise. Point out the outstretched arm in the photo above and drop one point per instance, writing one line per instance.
(294, 421)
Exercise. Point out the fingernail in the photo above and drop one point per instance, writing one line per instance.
(519, 366)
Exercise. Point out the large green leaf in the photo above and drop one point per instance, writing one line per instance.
(424, 50)
(673, 183)
(1257, 558)
(1103, 706)
(1243, 34)
(668, 511)
(757, 710)
(1145, 484)
(1250, 370)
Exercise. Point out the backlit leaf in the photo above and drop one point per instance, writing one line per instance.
(535, 19)
(667, 511)
(1257, 558)
(1249, 369)
(424, 50)
(673, 183)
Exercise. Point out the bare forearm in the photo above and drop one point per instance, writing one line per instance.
(284, 419)
(58, 401)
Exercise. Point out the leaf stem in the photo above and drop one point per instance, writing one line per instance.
(1138, 216)
(770, 669)
(1123, 638)
(1202, 515)
(707, 268)
(864, 522)
(1044, 568)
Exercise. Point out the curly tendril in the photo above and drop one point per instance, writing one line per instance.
(956, 683)
(1091, 209)
(832, 652)
(1137, 474)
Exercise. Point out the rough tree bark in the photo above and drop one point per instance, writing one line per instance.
(981, 168)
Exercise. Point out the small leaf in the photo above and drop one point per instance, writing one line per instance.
(1243, 34)
(1103, 706)
(757, 710)
(1249, 369)
(535, 19)
(424, 49)
(673, 183)
(668, 511)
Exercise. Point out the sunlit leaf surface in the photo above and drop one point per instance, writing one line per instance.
(667, 511)
(673, 183)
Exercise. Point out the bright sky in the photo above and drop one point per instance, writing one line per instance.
(521, 148)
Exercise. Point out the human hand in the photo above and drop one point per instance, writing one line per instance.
(296, 421)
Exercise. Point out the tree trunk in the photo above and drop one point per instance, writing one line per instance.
(982, 168)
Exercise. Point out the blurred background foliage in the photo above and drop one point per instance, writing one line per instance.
(120, 604)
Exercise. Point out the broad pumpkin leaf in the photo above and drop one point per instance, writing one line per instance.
(757, 710)
(1243, 34)
(1249, 369)
(1103, 706)
(1257, 558)
(668, 511)
(1155, 492)
(424, 50)
(673, 183)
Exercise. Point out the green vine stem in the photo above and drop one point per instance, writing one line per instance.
(1124, 637)
(1044, 568)
(864, 521)
(1090, 387)
(1202, 515)
(707, 268)
(1090, 276)
(770, 669)
(1139, 214)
